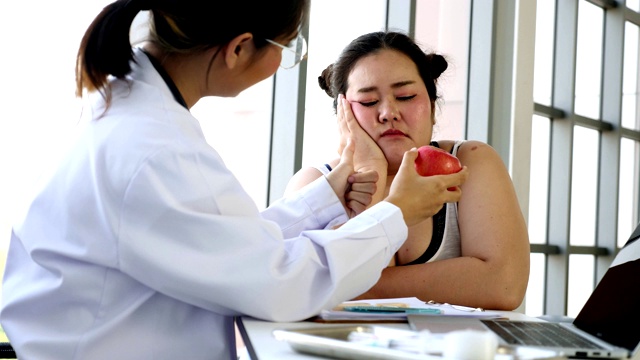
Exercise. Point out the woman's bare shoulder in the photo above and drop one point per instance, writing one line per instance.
(305, 176)
(469, 149)
(466, 145)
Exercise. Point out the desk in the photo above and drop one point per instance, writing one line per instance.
(257, 336)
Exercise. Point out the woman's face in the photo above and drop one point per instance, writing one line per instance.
(391, 103)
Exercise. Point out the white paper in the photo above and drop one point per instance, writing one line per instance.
(409, 302)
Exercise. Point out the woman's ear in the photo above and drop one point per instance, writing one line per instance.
(238, 49)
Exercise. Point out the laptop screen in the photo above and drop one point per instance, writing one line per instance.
(612, 312)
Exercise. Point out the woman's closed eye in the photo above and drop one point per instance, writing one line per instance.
(368, 103)
(371, 103)
(405, 98)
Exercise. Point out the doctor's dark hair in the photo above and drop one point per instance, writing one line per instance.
(334, 79)
(178, 27)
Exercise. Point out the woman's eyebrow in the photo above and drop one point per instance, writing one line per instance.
(396, 85)
(402, 83)
(367, 89)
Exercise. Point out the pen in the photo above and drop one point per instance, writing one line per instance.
(392, 309)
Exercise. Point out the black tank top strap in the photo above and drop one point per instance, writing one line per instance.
(436, 238)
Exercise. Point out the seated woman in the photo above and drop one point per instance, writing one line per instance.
(474, 252)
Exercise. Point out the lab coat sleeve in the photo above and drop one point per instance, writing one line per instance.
(313, 207)
(189, 231)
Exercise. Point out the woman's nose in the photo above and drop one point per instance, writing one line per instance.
(388, 112)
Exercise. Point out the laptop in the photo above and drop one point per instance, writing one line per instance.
(607, 327)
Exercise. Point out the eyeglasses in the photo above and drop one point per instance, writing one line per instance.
(296, 51)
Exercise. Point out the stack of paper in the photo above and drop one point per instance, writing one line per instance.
(396, 309)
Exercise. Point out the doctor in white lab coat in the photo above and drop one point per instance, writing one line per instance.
(141, 244)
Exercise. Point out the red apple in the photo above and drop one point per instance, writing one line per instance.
(435, 161)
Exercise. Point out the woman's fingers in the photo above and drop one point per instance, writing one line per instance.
(343, 128)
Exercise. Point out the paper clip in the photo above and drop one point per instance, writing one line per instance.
(456, 307)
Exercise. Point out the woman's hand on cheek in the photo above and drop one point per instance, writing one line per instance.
(367, 155)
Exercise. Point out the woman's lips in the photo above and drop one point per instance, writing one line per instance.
(393, 132)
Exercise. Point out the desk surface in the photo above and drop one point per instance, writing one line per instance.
(262, 345)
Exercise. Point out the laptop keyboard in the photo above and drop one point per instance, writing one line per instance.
(532, 333)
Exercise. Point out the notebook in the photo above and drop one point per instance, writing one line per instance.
(606, 327)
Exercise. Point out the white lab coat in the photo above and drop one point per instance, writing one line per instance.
(143, 245)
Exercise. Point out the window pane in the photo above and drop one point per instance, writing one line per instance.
(633, 5)
(589, 60)
(630, 78)
(534, 301)
(543, 63)
(326, 41)
(584, 179)
(246, 156)
(34, 127)
(539, 183)
(442, 26)
(628, 195)
(581, 275)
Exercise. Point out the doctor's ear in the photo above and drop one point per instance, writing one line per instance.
(238, 49)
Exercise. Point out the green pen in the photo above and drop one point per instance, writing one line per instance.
(392, 309)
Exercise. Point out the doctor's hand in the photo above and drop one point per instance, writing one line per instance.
(421, 197)
(354, 189)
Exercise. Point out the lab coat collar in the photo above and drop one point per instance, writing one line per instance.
(167, 79)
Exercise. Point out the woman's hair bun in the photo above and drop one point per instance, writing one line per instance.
(324, 80)
(438, 64)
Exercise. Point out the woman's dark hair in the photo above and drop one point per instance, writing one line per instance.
(178, 26)
(334, 79)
